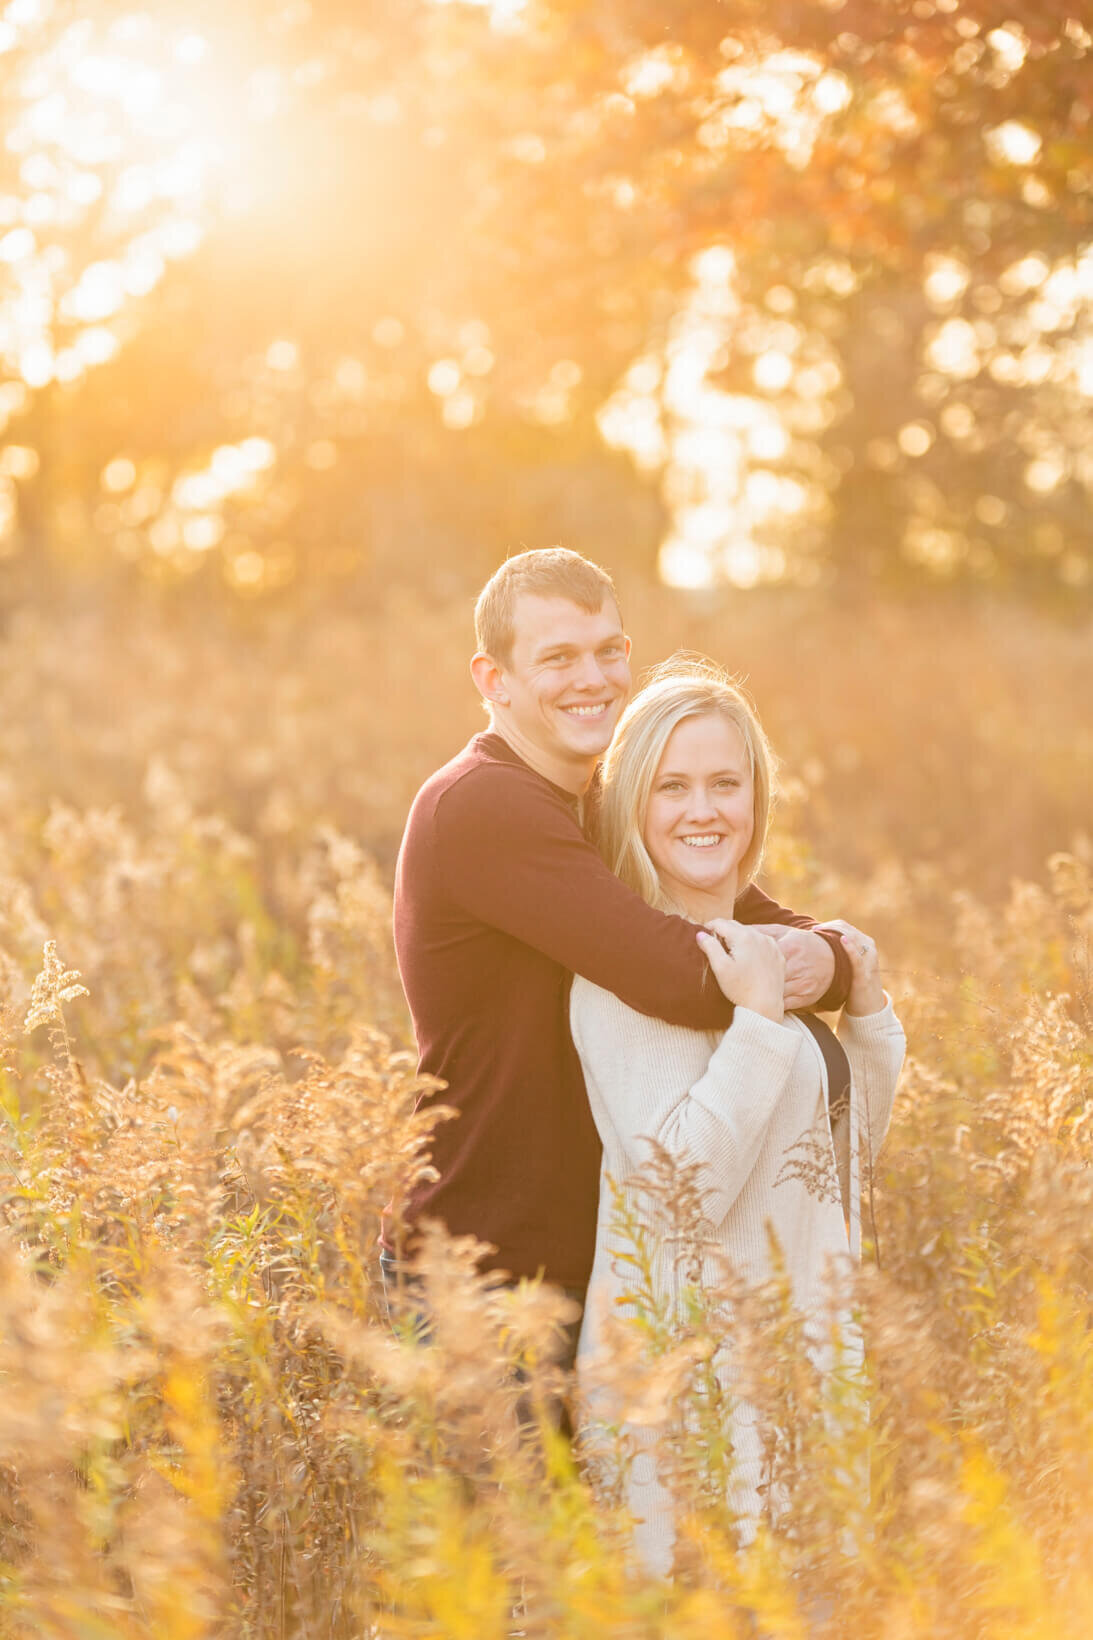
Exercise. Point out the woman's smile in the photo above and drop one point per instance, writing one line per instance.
(700, 820)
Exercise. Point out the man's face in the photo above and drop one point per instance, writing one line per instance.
(567, 681)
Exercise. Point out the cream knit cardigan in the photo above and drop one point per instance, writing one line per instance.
(740, 1103)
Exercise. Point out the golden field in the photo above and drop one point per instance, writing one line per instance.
(206, 1428)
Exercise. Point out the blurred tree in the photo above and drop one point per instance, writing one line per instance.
(333, 289)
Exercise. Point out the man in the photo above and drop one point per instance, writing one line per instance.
(500, 897)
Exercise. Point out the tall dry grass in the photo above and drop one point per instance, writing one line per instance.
(206, 1426)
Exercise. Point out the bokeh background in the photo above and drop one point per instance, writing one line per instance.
(311, 313)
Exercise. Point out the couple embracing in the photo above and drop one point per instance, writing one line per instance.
(590, 966)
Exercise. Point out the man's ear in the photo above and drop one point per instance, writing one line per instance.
(489, 679)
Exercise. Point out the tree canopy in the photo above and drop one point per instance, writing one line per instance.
(792, 289)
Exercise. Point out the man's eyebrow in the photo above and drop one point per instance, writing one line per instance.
(564, 648)
(556, 649)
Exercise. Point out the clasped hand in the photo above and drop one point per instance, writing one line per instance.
(749, 966)
(771, 968)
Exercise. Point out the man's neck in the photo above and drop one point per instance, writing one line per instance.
(571, 775)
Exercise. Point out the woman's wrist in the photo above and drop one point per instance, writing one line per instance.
(770, 1007)
(862, 1007)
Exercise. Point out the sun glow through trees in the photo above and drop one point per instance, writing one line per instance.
(140, 144)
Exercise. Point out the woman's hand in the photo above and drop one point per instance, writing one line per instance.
(866, 991)
(810, 962)
(747, 965)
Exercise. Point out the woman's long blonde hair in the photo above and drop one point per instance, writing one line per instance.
(685, 686)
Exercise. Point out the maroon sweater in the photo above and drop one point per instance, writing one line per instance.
(499, 898)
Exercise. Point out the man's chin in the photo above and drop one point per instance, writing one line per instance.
(591, 745)
(593, 737)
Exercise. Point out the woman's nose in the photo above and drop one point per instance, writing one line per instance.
(700, 804)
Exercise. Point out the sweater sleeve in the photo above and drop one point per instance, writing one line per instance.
(637, 1084)
(875, 1045)
(513, 855)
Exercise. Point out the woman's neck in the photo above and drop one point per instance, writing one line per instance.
(701, 906)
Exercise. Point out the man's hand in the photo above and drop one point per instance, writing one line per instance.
(810, 963)
(866, 991)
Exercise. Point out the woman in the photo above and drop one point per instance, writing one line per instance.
(685, 803)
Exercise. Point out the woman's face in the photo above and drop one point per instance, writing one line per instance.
(700, 817)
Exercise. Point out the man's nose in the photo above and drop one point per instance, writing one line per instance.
(590, 674)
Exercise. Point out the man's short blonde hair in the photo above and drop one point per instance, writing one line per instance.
(684, 687)
(547, 572)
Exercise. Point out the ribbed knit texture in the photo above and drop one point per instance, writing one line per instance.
(740, 1104)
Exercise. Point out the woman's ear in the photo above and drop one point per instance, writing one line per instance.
(489, 679)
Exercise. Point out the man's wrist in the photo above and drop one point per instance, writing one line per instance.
(839, 990)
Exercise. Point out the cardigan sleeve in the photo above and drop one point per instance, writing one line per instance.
(875, 1045)
(638, 1082)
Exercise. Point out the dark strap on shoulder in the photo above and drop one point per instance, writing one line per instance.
(838, 1066)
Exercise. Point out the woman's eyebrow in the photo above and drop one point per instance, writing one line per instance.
(683, 774)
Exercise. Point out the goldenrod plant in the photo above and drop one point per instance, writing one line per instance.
(208, 1426)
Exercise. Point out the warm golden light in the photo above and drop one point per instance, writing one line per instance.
(313, 313)
(946, 280)
(719, 451)
(954, 349)
(1014, 143)
(136, 139)
(112, 114)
